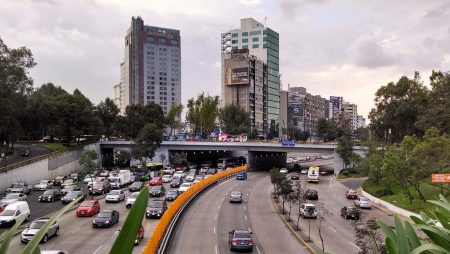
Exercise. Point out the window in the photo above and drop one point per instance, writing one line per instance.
(245, 46)
(174, 43)
(255, 46)
(162, 41)
(255, 39)
(234, 47)
(255, 32)
(234, 35)
(234, 41)
(244, 40)
(244, 33)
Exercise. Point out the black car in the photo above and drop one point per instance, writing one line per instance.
(311, 194)
(100, 188)
(105, 218)
(172, 195)
(72, 195)
(26, 152)
(176, 182)
(157, 191)
(156, 209)
(50, 195)
(295, 177)
(136, 186)
(350, 212)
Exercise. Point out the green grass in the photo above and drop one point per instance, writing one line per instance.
(400, 199)
(53, 146)
(350, 175)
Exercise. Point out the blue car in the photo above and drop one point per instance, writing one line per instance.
(241, 176)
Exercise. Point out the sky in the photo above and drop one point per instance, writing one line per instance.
(345, 48)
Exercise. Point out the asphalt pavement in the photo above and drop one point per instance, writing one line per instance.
(19, 148)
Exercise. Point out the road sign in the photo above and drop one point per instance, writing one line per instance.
(440, 178)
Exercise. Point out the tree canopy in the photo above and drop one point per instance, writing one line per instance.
(234, 119)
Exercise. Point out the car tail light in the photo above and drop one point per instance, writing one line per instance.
(234, 241)
(250, 242)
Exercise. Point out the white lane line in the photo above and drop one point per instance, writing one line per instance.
(99, 247)
(215, 217)
(249, 230)
(76, 230)
(245, 216)
(333, 229)
(257, 249)
(244, 207)
(355, 245)
(214, 230)
(218, 207)
(217, 251)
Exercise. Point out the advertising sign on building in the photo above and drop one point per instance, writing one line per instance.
(440, 178)
(336, 101)
(236, 76)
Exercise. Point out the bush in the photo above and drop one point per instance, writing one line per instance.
(383, 192)
(345, 173)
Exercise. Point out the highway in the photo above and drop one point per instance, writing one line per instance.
(19, 148)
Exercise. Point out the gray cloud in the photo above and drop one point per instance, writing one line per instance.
(290, 7)
(368, 52)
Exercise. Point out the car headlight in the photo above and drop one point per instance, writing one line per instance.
(107, 221)
(39, 197)
(94, 221)
(73, 199)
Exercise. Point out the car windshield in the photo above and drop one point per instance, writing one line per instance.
(16, 185)
(69, 187)
(352, 209)
(156, 188)
(37, 224)
(172, 192)
(155, 204)
(98, 185)
(114, 192)
(242, 235)
(72, 194)
(364, 199)
(235, 193)
(105, 214)
(87, 204)
(48, 192)
(43, 182)
(136, 185)
(7, 213)
(134, 195)
(12, 196)
(73, 175)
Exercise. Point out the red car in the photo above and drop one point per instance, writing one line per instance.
(88, 208)
(156, 181)
(351, 194)
(139, 236)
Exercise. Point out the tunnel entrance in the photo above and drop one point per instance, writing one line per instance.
(266, 160)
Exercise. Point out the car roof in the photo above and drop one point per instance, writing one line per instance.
(241, 231)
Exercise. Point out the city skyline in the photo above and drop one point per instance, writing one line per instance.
(323, 45)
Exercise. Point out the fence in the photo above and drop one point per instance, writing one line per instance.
(161, 227)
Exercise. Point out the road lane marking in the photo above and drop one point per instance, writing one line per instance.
(244, 207)
(355, 245)
(249, 230)
(76, 230)
(257, 249)
(217, 251)
(245, 216)
(215, 217)
(99, 247)
(214, 230)
(333, 229)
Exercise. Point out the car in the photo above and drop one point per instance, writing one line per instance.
(184, 187)
(30, 231)
(13, 197)
(168, 170)
(89, 178)
(241, 176)
(156, 181)
(88, 208)
(203, 170)
(295, 176)
(69, 181)
(156, 209)
(104, 173)
(350, 212)
(311, 194)
(115, 196)
(192, 166)
(50, 195)
(176, 182)
(171, 195)
(304, 171)
(363, 202)
(26, 152)
(13, 212)
(100, 188)
(206, 164)
(236, 197)
(139, 236)
(75, 177)
(136, 186)
(2, 207)
(240, 239)
(19, 187)
(68, 188)
(167, 178)
(58, 180)
(198, 179)
(97, 179)
(351, 194)
(308, 211)
(72, 195)
(43, 185)
(157, 191)
(284, 171)
(190, 177)
(179, 174)
(212, 171)
(105, 218)
(131, 199)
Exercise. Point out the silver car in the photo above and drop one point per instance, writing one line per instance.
(115, 196)
(30, 231)
(131, 199)
(363, 202)
(236, 196)
(13, 197)
(43, 185)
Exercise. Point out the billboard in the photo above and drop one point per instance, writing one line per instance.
(336, 101)
(440, 178)
(236, 76)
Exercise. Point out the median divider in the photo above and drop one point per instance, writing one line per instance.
(163, 229)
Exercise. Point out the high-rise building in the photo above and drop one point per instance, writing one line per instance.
(245, 86)
(283, 116)
(361, 121)
(263, 43)
(151, 71)
(335, 107)
(350, 112)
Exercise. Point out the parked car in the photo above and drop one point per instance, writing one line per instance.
(115, 196)
(236, 196)
(207, 164)
(184, 187)
(72, 195)
(171, 195)
(50, 195)
(156, 181)
(57, 181)
(240, 239)
(136, 186)
(13, 197)
(139, 236)
(157, 191)
(311, 194)
(350, 212)
(190, 177)
(131, 199)
(89, 208)
(176, 182)
(156, 209)
(167, 178)
(351, 194)
(284, 171)
(295, 176)
(30, 231)
(105, 218)
(241, 176)
(19, 187)
(308, 211)
(363, 202)
(43, 185)
(100, 188)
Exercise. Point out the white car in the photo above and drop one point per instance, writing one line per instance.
(179, 174)
(131, 199)
(43, 185)
(190, 177)
(13, 197)
(363, 202)
(89, 178)
(304, 171)
(204, 170)
(198, 179)
(168, 170)
(167, 178)
(184, 187)
(115, 196)
(308, 211)
(284, 171)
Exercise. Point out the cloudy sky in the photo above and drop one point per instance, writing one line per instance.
(346, 48)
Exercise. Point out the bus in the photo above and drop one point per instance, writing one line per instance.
(227, 162)
(313, 174)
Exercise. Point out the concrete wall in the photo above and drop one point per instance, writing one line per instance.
(71, 167)
(389, 206)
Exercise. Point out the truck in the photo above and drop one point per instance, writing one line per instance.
(313, 174)
(119, 179)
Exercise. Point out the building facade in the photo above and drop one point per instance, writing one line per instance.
(283, 116)
(246, 86)
(151, 71)
(361, 121)
(263, 43)
(350, 112)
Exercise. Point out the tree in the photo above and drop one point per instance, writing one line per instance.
(202, 113)
(234, 119)
(146, 142)
(299, 191)
(362, 134)
(345, 149)
(285, 189)
(178, 158)
(107, 111)
(322, 128)
(137, 116)
(88, 161)
(174, 116)
(162, 158)
(368, 239)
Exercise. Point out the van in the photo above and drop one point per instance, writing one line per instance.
(13, 212)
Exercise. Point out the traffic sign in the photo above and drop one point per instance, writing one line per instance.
(440, 178)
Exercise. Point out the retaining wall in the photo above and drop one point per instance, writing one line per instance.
(389, 206)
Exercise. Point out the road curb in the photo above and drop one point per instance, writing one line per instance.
(288, 225)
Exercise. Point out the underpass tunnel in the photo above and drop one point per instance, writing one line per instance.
(267, 160)
(200, 156)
